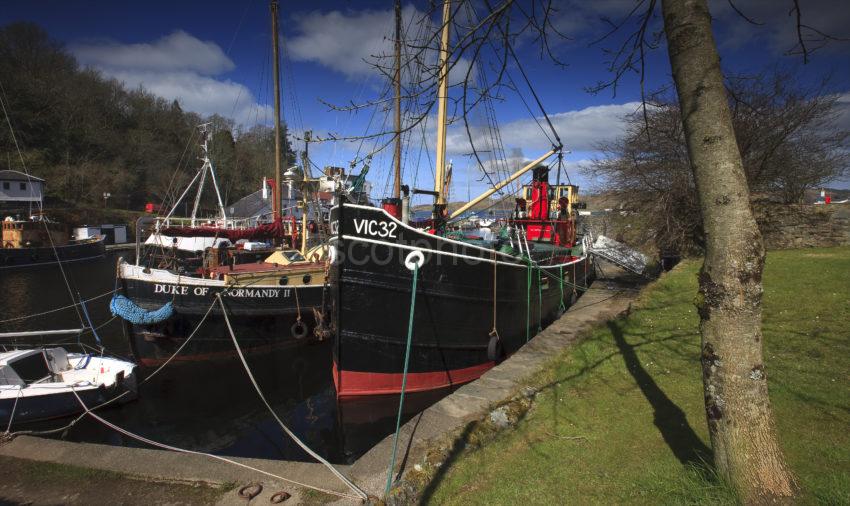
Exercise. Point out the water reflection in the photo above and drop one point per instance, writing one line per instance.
(210, 407)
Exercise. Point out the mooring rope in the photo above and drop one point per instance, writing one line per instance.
(360, 494)
(9, 436)
(18, 318)
(415, 266)
(193, 452)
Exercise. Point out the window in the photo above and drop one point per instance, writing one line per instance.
(5, 185)
(23, 186)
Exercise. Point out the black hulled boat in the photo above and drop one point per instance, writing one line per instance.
(535, 267)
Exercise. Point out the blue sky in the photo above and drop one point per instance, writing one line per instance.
(215, 57)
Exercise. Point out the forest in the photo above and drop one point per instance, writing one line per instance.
(87, 134)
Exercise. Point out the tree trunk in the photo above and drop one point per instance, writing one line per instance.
(740, 421)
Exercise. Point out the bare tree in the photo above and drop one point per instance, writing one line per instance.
(787, 136)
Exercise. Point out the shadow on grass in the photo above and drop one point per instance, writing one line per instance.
(457, 448)
(668, 417)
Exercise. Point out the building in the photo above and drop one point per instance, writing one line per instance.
(18, 190)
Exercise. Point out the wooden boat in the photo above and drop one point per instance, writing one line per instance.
(40, 241)
(38, 384)
(477, 300)
(269, 304)
(272, 295)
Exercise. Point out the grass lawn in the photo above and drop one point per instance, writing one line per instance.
(620, 416)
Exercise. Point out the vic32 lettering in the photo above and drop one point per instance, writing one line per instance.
(375, 228)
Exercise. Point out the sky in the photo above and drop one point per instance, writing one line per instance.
(214, 57)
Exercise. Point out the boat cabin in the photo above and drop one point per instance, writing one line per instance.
(26, 367)
(33, 233)
(546, 211)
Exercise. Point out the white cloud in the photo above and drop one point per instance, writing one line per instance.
(177, 51)
(345, 42)
(177, 67)
(580, 130)
(353, 42)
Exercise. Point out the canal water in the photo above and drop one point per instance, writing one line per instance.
(210, 407)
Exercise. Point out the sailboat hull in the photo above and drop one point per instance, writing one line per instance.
(454, 314)
(262, 316)
(89, 249)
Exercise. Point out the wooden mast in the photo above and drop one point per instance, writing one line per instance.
(277, 146)
(397, 184)
(442, 99)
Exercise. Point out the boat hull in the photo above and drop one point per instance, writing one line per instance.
(46, 407)
(262, 317)
(28, 257)
(454, 315)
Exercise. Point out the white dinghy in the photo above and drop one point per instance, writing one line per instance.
(41, 383)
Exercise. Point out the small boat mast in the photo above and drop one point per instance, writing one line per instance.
(277, 147)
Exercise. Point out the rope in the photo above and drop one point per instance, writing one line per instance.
(91, 325)
(14, 407)
(18, 318)
(561, 307)
(192, 452)
(528, 303)
(540, 303)
(403, 377)
(73, 422)
(494, 332)
(352, 486)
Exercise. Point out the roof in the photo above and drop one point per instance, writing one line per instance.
(14, 175)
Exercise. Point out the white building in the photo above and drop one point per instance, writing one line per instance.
(18, 188)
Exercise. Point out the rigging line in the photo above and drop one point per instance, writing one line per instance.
(110, 401)
(238, 27)
(534, 94)
(528, 108)
(15, 140)
(43, 218)
(171, 189)
(56, 309)
(291, 434)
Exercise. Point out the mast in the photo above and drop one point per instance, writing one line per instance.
(277, 147)
(442, 99)
(397, 184)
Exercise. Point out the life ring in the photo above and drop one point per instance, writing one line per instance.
(299, 330)
(495, 351)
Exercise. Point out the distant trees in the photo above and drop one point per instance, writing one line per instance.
(786, 134)
(87, 134)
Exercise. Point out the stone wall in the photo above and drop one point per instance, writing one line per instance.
(806, 226)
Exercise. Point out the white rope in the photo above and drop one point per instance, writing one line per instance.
(192, 452)
(110, 401)
(349, 483)
(14, 407)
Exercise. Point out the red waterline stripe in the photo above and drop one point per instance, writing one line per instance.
(354, 383)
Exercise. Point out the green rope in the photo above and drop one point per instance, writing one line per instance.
(539, 303)
(403, 378)
(562, 307)
(528, 304)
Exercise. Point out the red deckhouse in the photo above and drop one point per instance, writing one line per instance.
(546, 212)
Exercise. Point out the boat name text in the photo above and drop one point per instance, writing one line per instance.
(266, 293)
(375, 228)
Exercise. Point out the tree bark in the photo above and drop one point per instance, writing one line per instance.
(740, 421)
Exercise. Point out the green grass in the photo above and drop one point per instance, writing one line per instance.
(620, 416)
